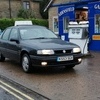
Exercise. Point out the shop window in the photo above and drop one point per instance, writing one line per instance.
(65, 24)
(55, 25)
(97, 23)
(26, 5)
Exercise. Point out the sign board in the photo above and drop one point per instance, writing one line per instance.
(96, 37)
(85, 0)
(18, 23)
(66, 10)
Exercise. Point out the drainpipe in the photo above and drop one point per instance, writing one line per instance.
(9, 8)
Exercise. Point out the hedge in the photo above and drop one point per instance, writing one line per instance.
(4, 23)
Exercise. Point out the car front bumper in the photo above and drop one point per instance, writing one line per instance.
(51, 61)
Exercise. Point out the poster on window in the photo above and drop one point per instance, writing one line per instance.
(81, 15)
(55, 24)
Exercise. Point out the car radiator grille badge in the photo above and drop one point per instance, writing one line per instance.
(64, 51)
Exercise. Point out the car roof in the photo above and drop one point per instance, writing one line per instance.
(27, 26)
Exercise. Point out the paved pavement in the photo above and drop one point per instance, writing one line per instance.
(9, 90)
(4, 95)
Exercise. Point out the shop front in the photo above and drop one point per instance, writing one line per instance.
(86, 10)
(94, 25)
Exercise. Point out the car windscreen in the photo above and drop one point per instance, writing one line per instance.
(36, 33)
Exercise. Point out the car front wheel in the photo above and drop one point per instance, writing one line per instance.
(26, 63)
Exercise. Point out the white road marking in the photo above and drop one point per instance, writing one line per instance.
(26, 96)
(11, 92)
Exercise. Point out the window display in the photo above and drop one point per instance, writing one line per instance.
(97, 23)
(66, 22)
(55, 25)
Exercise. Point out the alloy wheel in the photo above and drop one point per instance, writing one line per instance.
(26, 63)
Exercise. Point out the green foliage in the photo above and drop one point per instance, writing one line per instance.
(25, 14)
(40, 22)
(4, 23)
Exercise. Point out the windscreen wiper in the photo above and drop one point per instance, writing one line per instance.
(39, 38)
(43, 38)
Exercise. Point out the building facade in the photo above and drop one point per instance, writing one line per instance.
(10, 8)
(61, 12)
(53, 13)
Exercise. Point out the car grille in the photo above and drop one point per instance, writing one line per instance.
(63, 51)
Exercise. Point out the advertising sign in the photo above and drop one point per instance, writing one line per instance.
(65, 14)
(86, 0)
(96, 37)
(67, 11)
(94, 22)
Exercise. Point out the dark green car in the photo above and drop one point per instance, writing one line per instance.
(37, 46)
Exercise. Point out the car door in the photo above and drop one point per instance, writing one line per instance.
(14, 45)
(4, 42)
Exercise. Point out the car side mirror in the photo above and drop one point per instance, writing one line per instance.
(14, 40)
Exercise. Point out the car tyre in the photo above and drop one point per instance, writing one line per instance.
(26, 63)
(2, 58)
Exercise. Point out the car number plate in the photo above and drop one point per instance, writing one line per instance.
(65, 58)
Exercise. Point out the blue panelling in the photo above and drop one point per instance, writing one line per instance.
(65, 11)
(93, 10)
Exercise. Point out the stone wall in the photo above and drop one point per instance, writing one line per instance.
(63, 1)
(52, 13)
(36, 9)
(4, 8)
(15, 6)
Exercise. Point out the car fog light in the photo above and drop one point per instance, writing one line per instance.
(43, 63)
(79, 60)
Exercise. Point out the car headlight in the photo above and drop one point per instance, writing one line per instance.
(45, 52)
(76, 50)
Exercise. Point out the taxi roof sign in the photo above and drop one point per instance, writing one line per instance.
(18, 23)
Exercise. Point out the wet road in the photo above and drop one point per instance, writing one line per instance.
(81, 83)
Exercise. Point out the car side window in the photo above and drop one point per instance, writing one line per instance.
(6, 34)
(14, 34)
